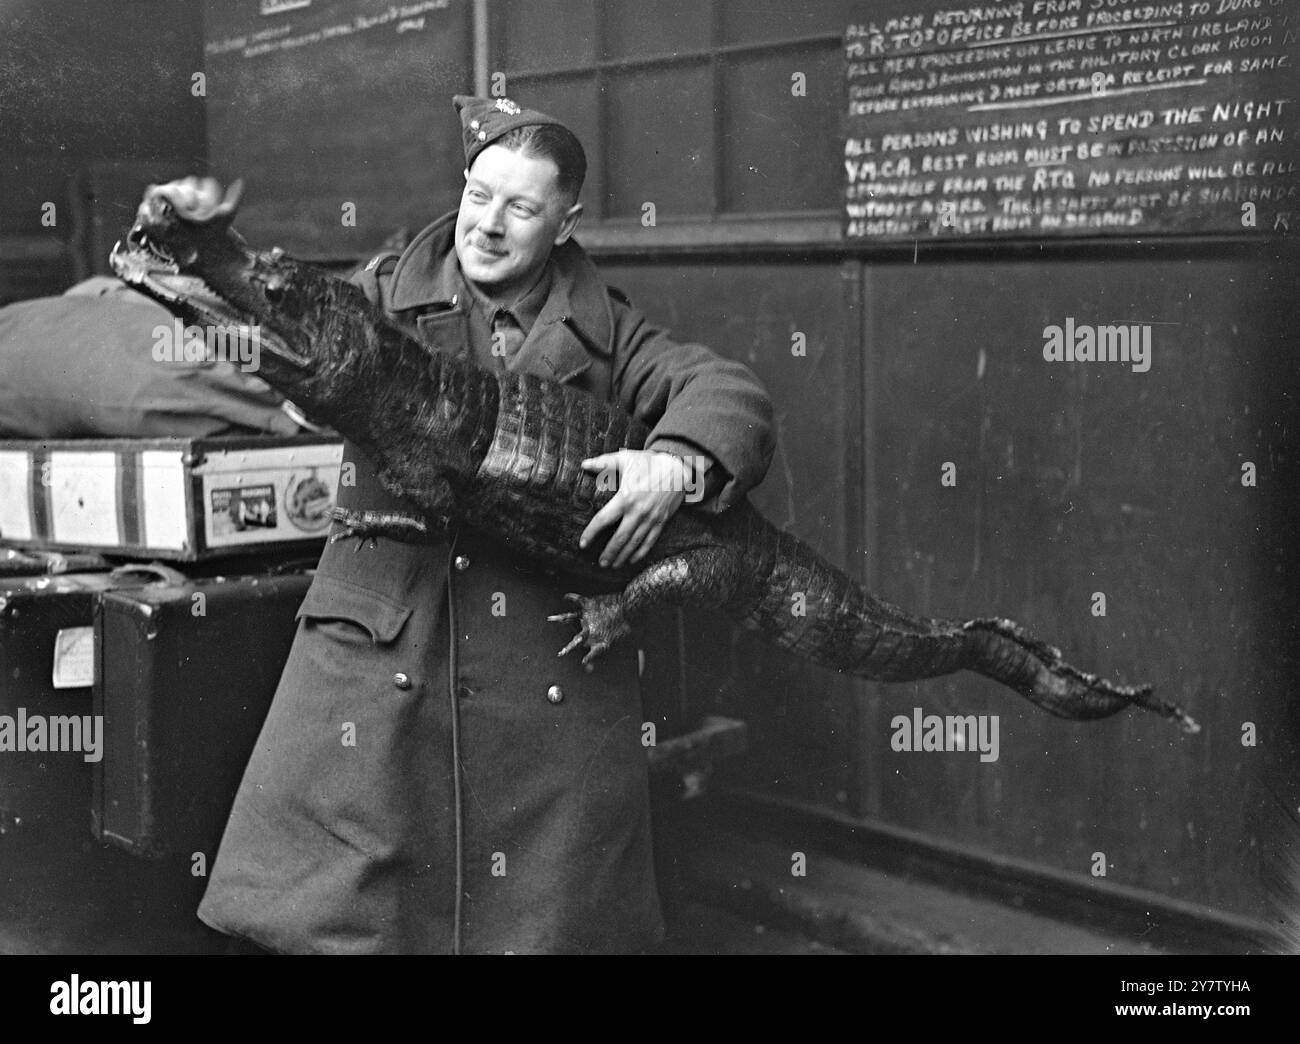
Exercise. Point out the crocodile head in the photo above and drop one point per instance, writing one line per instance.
(183, 252)
(180, 221)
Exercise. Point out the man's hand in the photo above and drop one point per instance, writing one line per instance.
(651, 486)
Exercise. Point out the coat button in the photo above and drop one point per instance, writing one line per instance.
(402, 681)
(555, 694)
(462, 563)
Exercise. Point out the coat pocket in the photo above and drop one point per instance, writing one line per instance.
(363, 614)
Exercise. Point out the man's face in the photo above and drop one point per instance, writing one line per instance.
(512, 213)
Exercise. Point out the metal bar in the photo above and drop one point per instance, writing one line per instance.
(600, 85)
(868, 698)
(481, 50)
(718, 130)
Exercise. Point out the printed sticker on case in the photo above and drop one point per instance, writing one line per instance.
(74, 658)
(307, 501)
(243, 508)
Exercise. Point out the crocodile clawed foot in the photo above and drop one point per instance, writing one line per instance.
(600, 622)
(367, 525)
(350, 530)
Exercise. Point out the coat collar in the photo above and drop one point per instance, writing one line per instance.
(575, 319)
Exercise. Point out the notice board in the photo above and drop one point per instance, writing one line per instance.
(1072, 117)
(338, 116)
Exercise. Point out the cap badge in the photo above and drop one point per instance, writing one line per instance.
(508, 107)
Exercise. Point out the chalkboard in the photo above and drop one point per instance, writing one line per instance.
(338, 115)
(1072, 117)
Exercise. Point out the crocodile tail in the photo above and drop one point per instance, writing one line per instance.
(1000, 649)
(816, 611)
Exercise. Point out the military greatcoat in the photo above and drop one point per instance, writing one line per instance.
(430, 777)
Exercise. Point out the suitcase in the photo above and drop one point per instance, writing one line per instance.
(178, 499)
(46, 673)
(183, 696)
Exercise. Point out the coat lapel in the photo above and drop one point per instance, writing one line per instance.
(555, 346)
(418, 280)
(574, 324)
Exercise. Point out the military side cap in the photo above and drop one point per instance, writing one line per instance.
(484, 120)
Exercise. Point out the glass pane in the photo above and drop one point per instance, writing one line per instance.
(660, 146)
(747, 21)
(645, 27)
(572, 100)
(543, 34)
(782, 151)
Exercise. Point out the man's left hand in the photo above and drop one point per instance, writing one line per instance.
(651, 486)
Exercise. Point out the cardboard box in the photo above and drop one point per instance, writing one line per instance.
(177, 499)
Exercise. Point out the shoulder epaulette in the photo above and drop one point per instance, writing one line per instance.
(382, 264)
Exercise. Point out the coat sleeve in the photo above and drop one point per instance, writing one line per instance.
(694, 402)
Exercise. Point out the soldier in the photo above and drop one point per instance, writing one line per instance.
(430, 777)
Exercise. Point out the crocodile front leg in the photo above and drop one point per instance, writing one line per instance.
(427, 526)
(601, 619)
(706, 576)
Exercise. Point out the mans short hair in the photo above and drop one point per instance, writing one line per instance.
(555, 143)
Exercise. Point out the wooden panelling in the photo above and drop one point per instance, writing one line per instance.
(1072, 479)
(1078, 478)
(802, 715)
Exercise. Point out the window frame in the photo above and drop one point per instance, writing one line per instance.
(715, 228)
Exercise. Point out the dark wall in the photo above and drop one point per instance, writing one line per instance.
(85, 83)
(801, 718)
(1071, 479)
(347, 136)
(1084, 478)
